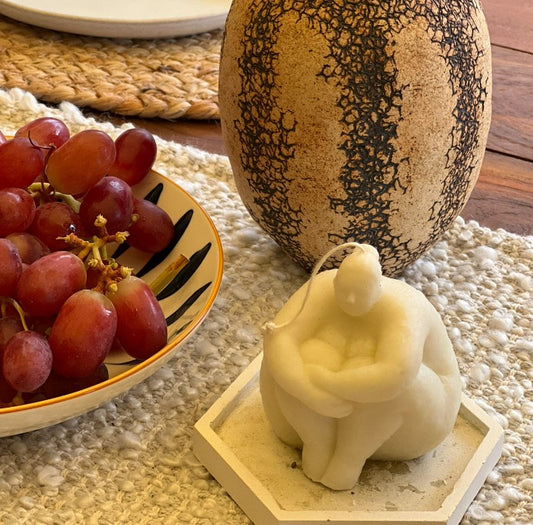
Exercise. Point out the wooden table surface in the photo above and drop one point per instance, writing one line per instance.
(503, 196)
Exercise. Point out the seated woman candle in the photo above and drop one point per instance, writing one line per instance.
(357, 365)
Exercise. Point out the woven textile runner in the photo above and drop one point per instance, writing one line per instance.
(130, 460)
(165, 78)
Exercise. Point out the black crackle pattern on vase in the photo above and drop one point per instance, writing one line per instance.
(365, 29)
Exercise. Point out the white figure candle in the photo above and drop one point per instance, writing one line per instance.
(357, 365)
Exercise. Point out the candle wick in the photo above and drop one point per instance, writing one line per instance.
(270, 326)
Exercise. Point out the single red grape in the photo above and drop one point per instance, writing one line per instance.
(45, 132)
(20, 163)
(136, 152)
(47, 283)
(27, 361)
(112, 198)
(80, 162)
(141, 326)
(153, 230)
(10, 268)
(17, 210)
(82, 334)
(29, 247)
(54, 220)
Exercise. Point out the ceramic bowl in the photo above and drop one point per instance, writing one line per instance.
(185, 301)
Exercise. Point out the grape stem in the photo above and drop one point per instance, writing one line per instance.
(22, 315)
(45, 189)
(94, 254)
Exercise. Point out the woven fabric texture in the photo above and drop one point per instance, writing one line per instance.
(131, 461)
(165, 78)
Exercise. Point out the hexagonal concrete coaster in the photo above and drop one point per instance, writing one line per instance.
(236, 444)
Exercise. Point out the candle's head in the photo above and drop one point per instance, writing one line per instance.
(357, 283)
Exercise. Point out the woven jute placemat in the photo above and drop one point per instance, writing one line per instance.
(165, 78)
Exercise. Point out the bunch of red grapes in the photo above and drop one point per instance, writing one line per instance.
(65, 304)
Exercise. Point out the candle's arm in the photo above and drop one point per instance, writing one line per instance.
(398, 357)
(285, 365)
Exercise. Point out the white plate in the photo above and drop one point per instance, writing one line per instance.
(121, 18)
(188, 300)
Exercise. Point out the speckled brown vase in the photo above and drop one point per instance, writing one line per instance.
(357, 121)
